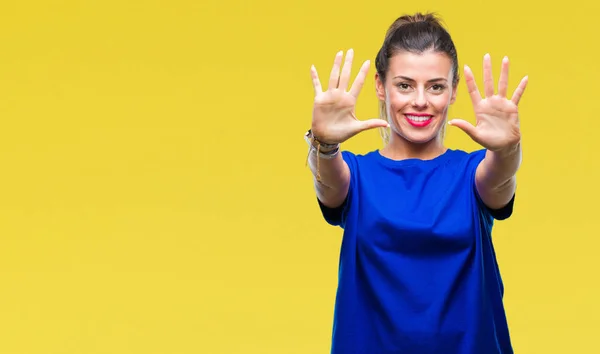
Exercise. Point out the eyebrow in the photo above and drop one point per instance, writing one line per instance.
(409, 79)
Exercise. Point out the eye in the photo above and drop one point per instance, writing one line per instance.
(403, 86)
(438, 88)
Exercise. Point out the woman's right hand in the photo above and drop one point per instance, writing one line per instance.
(334, 120)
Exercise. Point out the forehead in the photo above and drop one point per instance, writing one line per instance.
(424, 66)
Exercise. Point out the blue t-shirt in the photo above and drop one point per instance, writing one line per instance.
(417, 271)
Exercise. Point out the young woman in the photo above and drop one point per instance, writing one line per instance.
(418, 273)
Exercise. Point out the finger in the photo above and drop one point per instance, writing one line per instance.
(520, 90)
(371, 124)
(503, 81)
(472, 86)
(464, 126)
(315, 79)
(488, 79)
(346, 70)
(334, 77)
(360, 79)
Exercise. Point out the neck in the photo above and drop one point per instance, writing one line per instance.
(400, 149)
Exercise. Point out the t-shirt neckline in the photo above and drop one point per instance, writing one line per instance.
(412, 161)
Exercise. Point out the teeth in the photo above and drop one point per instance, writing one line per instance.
(418, 119)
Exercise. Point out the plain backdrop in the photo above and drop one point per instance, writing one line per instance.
(154, 196)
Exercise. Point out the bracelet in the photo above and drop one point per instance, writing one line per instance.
(324, 155)
(331, 150)
(309, 137)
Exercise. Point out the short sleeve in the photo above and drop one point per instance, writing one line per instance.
(503, 213)
(333, 216)
(499, 214)
(337, 216)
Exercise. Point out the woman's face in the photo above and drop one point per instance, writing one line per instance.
(417, 93)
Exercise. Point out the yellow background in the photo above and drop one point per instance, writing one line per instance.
(154, 196)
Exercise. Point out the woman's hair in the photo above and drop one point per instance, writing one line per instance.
(417, 34)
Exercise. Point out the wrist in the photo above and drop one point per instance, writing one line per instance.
(318, 144)
(508, 151)
(322, 150)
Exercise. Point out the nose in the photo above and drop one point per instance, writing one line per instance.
(420, 100)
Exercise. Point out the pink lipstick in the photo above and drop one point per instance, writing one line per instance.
(418, 119)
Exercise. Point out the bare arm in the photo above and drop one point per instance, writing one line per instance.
(334, 122)
(498, 130)
(495, 178)
(331, 178)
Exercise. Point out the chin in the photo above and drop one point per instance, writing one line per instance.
(419, 138)
(419, 135)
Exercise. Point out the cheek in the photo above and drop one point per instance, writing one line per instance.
(440, 103)
(398, 100)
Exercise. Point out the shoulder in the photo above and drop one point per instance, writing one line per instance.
(464, 164)
(468, 157)
(359, 157)
(356, 163)
(471, 162)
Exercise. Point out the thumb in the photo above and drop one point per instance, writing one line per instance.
(464, 126)
(373, 123)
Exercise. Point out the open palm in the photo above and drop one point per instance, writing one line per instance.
(497, 117)
(334, 120)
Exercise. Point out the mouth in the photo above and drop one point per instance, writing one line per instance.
(418, 119)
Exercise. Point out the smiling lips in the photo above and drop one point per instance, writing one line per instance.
(418, 119)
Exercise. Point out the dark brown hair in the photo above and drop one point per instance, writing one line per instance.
(416, 33)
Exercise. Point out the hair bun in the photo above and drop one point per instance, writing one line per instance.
(419, 17)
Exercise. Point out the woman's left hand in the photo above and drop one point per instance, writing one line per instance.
(497, 117)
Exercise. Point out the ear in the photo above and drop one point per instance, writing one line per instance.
(453, 97)
(379, 88)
